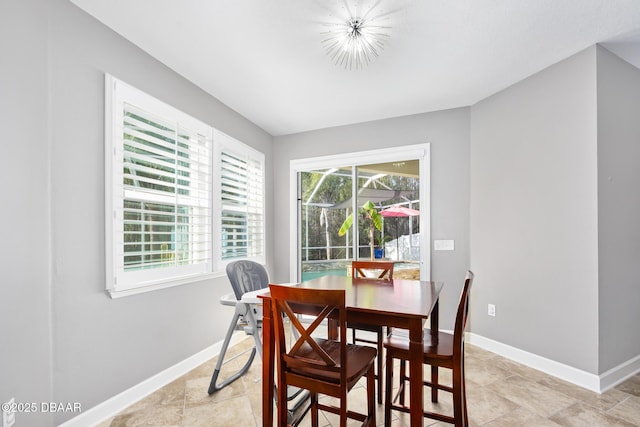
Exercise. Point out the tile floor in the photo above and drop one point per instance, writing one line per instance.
(499, 393)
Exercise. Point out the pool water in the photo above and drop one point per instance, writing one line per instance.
(308, 275)
(398, 270)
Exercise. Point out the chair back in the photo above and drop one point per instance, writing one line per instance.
(246, 276)
(385, 267)
(463, 313)
(303, 354)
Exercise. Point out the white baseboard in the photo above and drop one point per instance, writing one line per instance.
(596, 383)
(620, 373)
(119, 402)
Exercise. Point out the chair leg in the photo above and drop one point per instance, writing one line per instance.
(343, 409)
(371, 404)
(314, 409)
(388, 381)
(379, 360)
(459, 409)
(283, 412)
(403, 380)
(434, 382)
(464, 395)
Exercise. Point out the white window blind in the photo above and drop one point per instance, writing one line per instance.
(242, 201)
(166, 174)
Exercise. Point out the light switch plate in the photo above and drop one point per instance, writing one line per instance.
(443, 245)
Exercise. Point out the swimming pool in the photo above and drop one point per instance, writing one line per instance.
(308, 275)
(341, 269)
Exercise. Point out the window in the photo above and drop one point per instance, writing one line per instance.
(182, 199)
(242, 205)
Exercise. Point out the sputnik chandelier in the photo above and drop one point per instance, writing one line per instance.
(353, 42)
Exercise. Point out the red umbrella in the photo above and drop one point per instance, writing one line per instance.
(396, 212)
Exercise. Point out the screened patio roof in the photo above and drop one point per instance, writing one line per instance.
(371, 190)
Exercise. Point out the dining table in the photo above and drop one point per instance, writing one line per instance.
(397, 303)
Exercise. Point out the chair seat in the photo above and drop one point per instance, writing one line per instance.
(398, 342)
(360, 358)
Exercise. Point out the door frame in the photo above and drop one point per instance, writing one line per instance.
(421, 152)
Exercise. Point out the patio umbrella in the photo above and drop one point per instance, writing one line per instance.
(396, 212)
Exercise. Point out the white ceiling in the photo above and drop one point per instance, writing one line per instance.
(265, 58)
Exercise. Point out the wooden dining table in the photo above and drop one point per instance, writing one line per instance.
(398, 303)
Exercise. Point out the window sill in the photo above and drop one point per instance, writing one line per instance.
(119, 293)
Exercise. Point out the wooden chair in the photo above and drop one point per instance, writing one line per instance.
(322, 366)
(447, 352)
(381, 270)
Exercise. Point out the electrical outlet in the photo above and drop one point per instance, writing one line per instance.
(491, 310)
(8, 416)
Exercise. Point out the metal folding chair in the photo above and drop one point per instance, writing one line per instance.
(248, 280)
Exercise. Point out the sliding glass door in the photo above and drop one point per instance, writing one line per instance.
(324, 194)
(386, 219)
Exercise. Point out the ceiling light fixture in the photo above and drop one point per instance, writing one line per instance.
(356, 41)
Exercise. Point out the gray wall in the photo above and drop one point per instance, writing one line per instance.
(534, 214)
(54, 152)
(25, 340)
(618, 208)
(448, 133)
